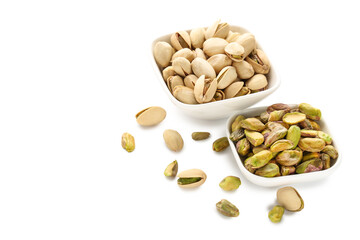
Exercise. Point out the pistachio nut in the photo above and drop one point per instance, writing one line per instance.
(214, 46)
(264, 117)
(225, 77)
(289, 157)
(293, 118)
(278, 106)
(173, 140)
(243, 147)
(244, 69)
(200, 135)
(128, 142)
(163, 53)
(311, 156)
(236, 123)
(259, 148)
(237, 135)
(253, 124)
(269, 170)
(233, 89)
(309, 133)
(220, 144)
(274, 125)
(306, 124)
(191, 178)
(287, 170)
(174, 81)
(217, 29)
(281, 145)
(331, 151)
(230, 183)
(197, 37)
(311, 112)
(274, 135)
(232, 36)
(276, 213)
(294, 134)
(258, 160)
(226, 208)
(324, 136)
(180, 40)
(202, 67)
(276, 115)
(257, 82)
(150, 116)
(315, 125)
(219, 95)
(186, 53)
(190, 80)
(184, 94)
(290, 199)
(182, 66)
(310, 166)
(259, 61)
(199, 53)
(235, 51)
(255, 138)
(244, 91)
(219, 61)
(247, 41)
(325, 158)
(204, 89)
(167, 72)
(311, 144)
(171, 169)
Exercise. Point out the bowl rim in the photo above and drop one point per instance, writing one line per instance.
(280, 180)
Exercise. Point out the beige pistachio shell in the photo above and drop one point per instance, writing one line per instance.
(150, 116)
(220, 30)
(290, 199)
(199, 53)
(202, 67)
(182, 66)
(184, 94)
(235, 51)
(259, 61)
(174, 81)
(192, 173)
(204, 89)
(226, 76)
(163, 53)
(247, 40)
(233, 89)
(186, 53)
(232, 36)
(244, 91)
(257, 82)
(219, 61)
(173, 140)
(244, 69)
(197, 37)
(190, 80)
(214, 46)
(167, 72)
(180, 40)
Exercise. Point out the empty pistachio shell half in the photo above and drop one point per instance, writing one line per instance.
(184, 94)
(226, 208)
(180, 40)
(235, 51)
(191, 178)
(214, 46)
(204, 89)
(182, 66)
(171, 169)
(230, 183)
(217, 29)
(244, 69)
(200, 135)
(128, 142)
(276, 213)
(225, 77)
(257, 82)
(173, 140)
(290, 199)
(197, 36)
(163, 53)
(186, 53)
(150, 116)
(233, 89)
(202, 67)
(293, 118)
(219, 61)
(220, 144)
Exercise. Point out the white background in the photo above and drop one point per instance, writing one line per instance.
(73, 74)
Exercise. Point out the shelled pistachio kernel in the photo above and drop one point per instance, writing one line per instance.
(226, 208)
(230, 183)
(128, 142)
(276, 213)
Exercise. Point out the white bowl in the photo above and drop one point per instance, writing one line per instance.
(281, 180)
(223, 108)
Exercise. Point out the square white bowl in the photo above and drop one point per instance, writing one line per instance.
(280, 180)
(223, 108)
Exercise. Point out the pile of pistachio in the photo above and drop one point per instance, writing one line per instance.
(211, 64)
(283, 141)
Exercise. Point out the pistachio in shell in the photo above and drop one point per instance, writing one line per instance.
(198, 52)
(289, 157)
(290, 199)
(269, 170)
(243, 147)
(168, 72)
(225, 77)
(257, 82)
(150, 116)
(244, 69)
(232, 36)
(234, 89)
(217, 29)
(247, 41)
(128, 142)
(294, 135)
(310, 166)
(293, 118)
(220, 144)
(174, 81)
(255, 138)
(235, 51)
(219, 61)
(182, 66)
(191, 178)
(184, 94)
(200, 135)
(202, 67)
(214, 46)
(204, 89)
(173, 140)
(197, 37)
(311, 144)
(259, 61)
(186, 53)
(180, 40)
(243, 91)
(190, 80)
(226, 208)
(310, 111)
(230, 183)
(276, 213)
(171, 169)
(236, 123)
(331, 151)
(163, 53)
(253, 124)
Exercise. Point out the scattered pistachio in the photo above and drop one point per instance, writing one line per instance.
(200, 135)
(191, 178)
(220, 144)
(230, 183)
(171, 169)
(150, 116)
(290, 199)
(173, 140)
(226, 208)
(128, 142)
(276, 213)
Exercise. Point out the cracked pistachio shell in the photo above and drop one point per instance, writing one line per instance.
(257, 82)
(247, 41)
(276, 115)
(235, 51)
(180, 40)
(289, 157)
(287, 170)
(311, 144)
(253, 124)
(173, 140)
(199, 53)
(331, 151)
(220, 144)
(269, 170)
(163, 53)
(255, 138)
(258, 160)
(219, 95)
(150, 116)
(293, 118)
(184, 94)
(217, 29)
(259, 61)
(219, 61)
(310, 166)
(243, 147)
(226, 208)
(128, 142)
(214, 46)
(168, 72)
(233, 89)
(202, 67)
(232, 36)
(197, 37)
(174, 81)
(278, 106)
(309, 133)
(191, 178)
(294, 135)
(311, 156)
(182, 66)
(276, 213)
(290, 199)
(274, 135)
(281, 145)
(186, 53)
(190, 80)
(244, 69)
(200, 135)
(204, 89)
(230, 183)
(324, 136)
(172, 169)
(236, 123)
(311, 112)
(326, 160)
(225, 77)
